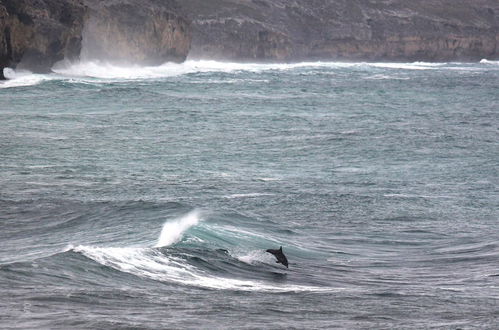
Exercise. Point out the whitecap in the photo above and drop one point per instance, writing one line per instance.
(407, 66)
(173, 231)
(385, 77)
(248, 195)
(110, 71)
(97, 72)
(21, 78)
(268, 179)
(485, 61)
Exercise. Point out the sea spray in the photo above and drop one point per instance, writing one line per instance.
(173, 230)
(254, 257)
(21, 78)
(104, 72)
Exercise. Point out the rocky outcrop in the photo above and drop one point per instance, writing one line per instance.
(131, 31)
(394, 30)
(37, 33)
(34, 34)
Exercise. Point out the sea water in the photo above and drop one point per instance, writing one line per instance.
(145, 197)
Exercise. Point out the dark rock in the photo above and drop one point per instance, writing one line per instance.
(34, 34)
(395, 30)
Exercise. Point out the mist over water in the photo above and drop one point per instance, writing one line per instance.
(146, 196)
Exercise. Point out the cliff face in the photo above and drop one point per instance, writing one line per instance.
(39, 33)
(143, 32)
(288, 30)
(34, 34)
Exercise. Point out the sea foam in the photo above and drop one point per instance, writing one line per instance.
(107, 70)
(21, 78)
(104, 72)
(485, 61)
(152, 264)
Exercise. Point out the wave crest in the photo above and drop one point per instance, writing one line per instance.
(21, 78)
(485, 61)
(105, 72)
(173, 231)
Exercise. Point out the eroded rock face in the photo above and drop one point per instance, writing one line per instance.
(131, 31)
(290, 30)
(36, 34)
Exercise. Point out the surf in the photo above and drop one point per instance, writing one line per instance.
(22, 78)
(105, 72)
(183, 255)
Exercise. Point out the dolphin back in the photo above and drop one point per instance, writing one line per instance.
(281, 258)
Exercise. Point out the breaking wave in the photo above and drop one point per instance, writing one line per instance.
(21, 78)
(186, 256)
(105, 72)
(485, 61)
(172, 231)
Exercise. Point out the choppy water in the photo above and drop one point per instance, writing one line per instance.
(146, 197)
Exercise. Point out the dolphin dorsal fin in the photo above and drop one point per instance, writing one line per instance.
(280, 249)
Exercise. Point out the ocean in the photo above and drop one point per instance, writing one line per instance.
(145, 197)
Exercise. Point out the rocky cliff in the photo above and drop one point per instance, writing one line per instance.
(34, 34)
(38, 33)
(389, 30)
(131, 31)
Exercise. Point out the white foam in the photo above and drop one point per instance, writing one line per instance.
(407, 66)
(21, 78)
(255, 256)
(248, 195)
(152, 264)
(268, 179)
(106, 70)
(92, 72)
(385, 77)
(173, 230)
(485, 61)
(230, 81)
(415, 196)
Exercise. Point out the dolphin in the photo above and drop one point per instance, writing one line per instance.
(281, 258)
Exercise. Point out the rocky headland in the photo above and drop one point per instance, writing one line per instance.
(34, 34)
